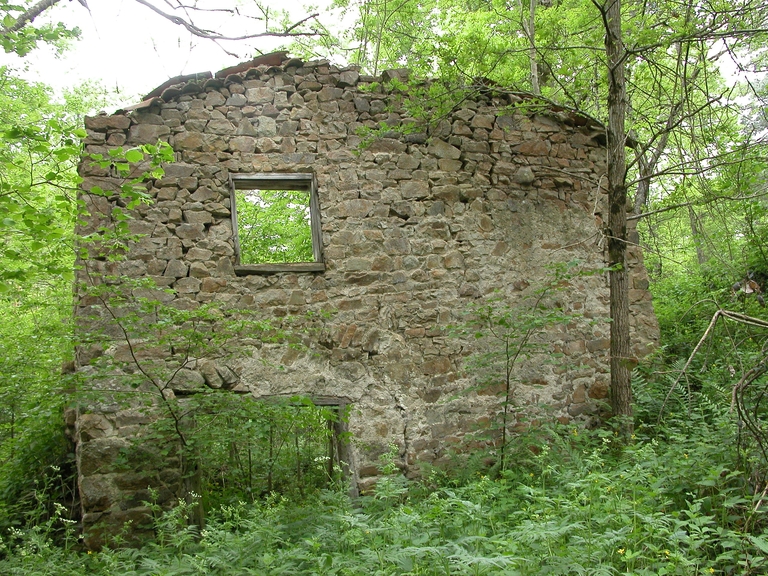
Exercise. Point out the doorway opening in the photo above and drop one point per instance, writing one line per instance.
(252, 448)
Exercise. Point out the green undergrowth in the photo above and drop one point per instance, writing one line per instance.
(673, 501)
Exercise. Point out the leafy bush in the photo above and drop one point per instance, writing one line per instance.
(36, 460)
(672, 502)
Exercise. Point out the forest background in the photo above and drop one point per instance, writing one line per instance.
(678, 486)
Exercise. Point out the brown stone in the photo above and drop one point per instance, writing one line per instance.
(599, 390)
(439, 365)
(116, 121)
(187, 141)
(454, 259)
(148, 133)
(533, 148)
(449, 165)
(598, 344)
(245, 144)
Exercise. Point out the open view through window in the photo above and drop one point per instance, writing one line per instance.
(276, 221)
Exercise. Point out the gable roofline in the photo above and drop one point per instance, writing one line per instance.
(250, 69)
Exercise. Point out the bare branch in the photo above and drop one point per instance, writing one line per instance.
(186, 7)
(213, 35)
(720, 313)
(698, 203)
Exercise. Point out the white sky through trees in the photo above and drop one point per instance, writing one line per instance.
(130, 50)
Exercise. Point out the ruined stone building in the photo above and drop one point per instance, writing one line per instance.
(410, 224)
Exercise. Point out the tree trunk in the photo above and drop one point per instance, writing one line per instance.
(532, 57)
(621, 386)
(697, 236)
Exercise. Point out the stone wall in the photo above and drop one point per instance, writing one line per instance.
(416, 226)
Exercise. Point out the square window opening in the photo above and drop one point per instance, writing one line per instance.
(276, 223)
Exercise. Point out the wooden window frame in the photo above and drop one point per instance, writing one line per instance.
(276, 181)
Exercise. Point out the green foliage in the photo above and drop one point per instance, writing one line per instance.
(674, 501)
(39, 150)
(35, 339)
(246, 449)
(274, 226)
(28, 37)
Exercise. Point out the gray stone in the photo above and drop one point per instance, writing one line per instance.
(187, 380)
(178, 170)
(413, 232)
(348, 78)
(190, 231)
(442, 149)
(214, 98)
(262, 95)
(237, 100)
(266, 127)
(204, 194)
(416, 189)
(176, 268)
(524, 175)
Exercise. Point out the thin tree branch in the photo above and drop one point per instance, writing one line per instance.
(698, 203)
(213, 35)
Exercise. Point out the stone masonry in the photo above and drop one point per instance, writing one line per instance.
(415, 225)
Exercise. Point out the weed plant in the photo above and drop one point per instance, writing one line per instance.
(673, 501)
